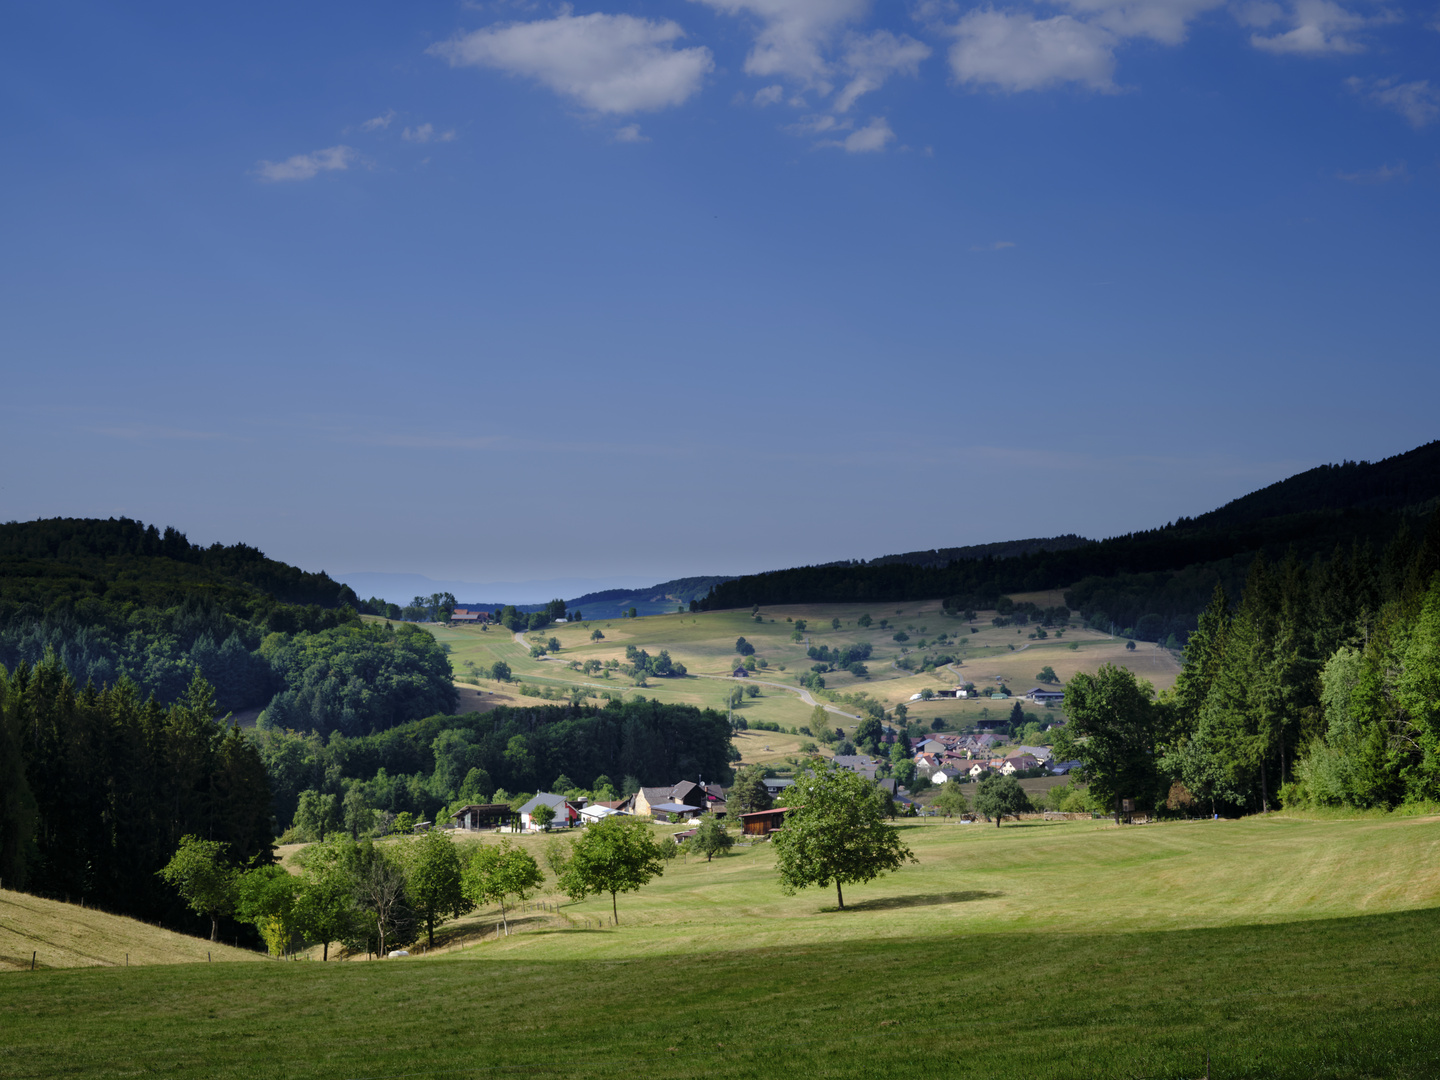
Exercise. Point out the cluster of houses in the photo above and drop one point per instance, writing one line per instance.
(677, 803)
(969, 757)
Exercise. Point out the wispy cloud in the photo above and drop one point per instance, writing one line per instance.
(998, 245)
(870, 139)
(794, 35)
(151, 432)
(1317, 28)
(870, 59)
(1417, 101)
(379, 123)
(608, 63)
(630, 133)
(307, 166)
(426, 133)
(1383, 175)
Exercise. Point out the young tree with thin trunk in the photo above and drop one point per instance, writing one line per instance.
(500, 871)
(710, 837)
(615, 855)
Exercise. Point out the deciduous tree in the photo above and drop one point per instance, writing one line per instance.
(614, 855)
(203, 876)
(835, 831)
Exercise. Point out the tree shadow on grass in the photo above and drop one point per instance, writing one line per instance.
(890, 903)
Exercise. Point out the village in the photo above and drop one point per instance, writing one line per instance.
(940, 759)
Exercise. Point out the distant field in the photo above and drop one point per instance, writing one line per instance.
(1284, 948)
(705, 643)
(67, 935)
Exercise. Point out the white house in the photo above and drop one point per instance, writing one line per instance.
(941, 776)
(591, 814)
(565, 814)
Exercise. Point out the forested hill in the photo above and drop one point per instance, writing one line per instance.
(117, 600)
(1167, 572)
(130, 562)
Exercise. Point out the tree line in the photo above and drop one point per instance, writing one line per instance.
(1319, 688)
(98, 786)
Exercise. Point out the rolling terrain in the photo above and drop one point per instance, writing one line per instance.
(1280, 947)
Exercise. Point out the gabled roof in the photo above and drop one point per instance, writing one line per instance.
(555, 802)
(674, 808)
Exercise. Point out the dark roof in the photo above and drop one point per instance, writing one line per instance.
(764, 813)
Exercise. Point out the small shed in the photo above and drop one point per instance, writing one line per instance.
(764, 822)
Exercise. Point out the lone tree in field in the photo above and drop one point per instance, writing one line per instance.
(615, 855)
(711, 838)
(1047, 674)
(204, 879)
(999, 796)
(835, 830)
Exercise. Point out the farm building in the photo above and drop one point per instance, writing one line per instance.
(1041, 696)
(764, 822)
(483, 816)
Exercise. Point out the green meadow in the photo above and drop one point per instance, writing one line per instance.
(1281, 946)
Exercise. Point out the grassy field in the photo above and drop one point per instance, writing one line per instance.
(705, 644)
(1282, 947)
(67, 935)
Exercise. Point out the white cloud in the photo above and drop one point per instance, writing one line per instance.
(306, 166)
(1015, 51)
(1417, 101)
(870, 59)
(793, 35)
(1383, 175)
(873, 137)
(426, 133)
(630, 133)
(609, 63)
(770, 95)
(379, 123)
(819, 124)
(998, 245)
(1165, 21)
(1317, 27)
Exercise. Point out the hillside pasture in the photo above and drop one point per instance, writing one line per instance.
(65, 935)
(1281, 948)
(705, 643)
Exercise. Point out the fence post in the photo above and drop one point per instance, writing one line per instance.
(32, 961)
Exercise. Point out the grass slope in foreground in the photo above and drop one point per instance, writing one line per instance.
(67, 935)
(1034, 952)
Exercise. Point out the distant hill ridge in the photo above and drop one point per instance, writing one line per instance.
(1312, 512)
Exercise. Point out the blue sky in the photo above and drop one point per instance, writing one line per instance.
(508, 291)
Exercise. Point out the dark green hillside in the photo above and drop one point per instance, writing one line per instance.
(126, 561)
(119, 600)
(1168, 572)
